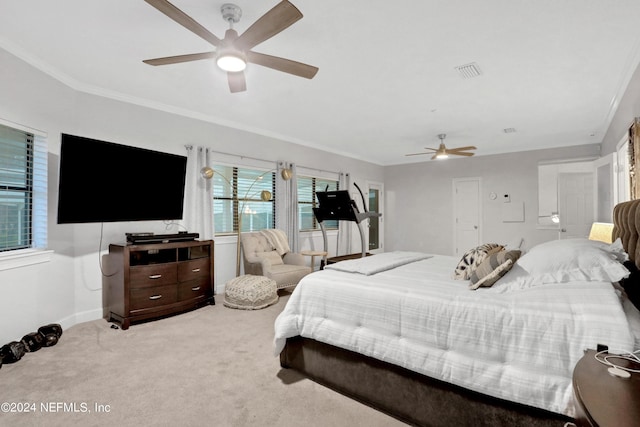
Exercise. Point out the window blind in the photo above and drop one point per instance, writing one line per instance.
(237, 199)
(23, 189)
(307, 188)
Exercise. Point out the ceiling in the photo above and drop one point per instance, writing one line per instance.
(552, 70)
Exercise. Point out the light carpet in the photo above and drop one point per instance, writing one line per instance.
(210, 367)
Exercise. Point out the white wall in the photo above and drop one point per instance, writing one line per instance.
(419, 205)
(68, 289)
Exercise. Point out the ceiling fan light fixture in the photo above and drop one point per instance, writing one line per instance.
(231, 60)
(442, 150)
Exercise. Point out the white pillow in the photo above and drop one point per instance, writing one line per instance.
(617, 249)
(272, 256)
(561, 261)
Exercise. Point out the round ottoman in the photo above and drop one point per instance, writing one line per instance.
(250, 292)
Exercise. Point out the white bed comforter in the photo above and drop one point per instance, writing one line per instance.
(520, 346)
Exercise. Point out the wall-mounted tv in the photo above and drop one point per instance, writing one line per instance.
(102, 181)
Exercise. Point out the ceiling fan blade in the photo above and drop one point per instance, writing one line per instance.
(460, 153)
(282, 16)
(470, 147)
(237, 82)
(429, 148)
(282, 64)
(435, 156)
(416, 154)
(183, 19)
(180, 58)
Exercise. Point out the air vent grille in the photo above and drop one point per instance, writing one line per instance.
(469, 71)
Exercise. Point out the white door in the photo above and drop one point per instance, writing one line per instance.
(467, 214)
(575, 203)
(375, 237)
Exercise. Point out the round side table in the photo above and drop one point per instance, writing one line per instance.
(313, 255)
(603, 399)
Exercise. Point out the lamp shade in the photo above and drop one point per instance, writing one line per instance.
(206, 172)
(601, 231)
(265, 195)
(286, 174)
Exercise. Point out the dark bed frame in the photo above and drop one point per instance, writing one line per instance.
(406, 395)
(420, 400)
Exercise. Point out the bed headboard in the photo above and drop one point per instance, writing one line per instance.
(626, 226)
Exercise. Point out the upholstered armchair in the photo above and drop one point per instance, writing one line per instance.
(261, 258)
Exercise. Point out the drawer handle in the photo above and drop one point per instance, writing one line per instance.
(154, 297)
(196, 288)
(155, 276)
(195, 270)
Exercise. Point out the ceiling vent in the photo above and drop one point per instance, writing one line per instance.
(469, 71)
(509, 130)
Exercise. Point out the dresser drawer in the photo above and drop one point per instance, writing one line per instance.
(193, 289)
(194, 269)
(153, 275)
(153, 297)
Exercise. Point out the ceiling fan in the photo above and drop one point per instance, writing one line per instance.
(234, 51)
(442, 152)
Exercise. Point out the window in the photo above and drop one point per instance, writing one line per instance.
(307, 187)
(241, 190)
(23, 191)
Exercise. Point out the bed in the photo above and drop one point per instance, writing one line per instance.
(397, 332)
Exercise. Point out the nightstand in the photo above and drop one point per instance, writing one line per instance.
(604, 400)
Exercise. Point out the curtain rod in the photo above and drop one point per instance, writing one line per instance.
(188, 146)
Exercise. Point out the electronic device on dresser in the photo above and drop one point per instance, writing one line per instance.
(153, 280)
(142, 238)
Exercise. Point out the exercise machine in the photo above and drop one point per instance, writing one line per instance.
(338, 205)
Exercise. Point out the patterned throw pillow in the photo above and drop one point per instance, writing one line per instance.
(472, 258)
(493, 268)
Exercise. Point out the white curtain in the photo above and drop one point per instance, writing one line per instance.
(198, 197)
(287, 204)
(344, 227)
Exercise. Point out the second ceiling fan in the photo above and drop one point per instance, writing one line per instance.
(442, 152)
(234, 51)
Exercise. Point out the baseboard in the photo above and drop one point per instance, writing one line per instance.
(76, 318)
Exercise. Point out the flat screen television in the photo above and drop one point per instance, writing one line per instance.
(102, 181)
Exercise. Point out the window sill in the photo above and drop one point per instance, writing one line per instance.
(318, 231)
(24, 257)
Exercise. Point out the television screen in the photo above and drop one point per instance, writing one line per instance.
(105, 182)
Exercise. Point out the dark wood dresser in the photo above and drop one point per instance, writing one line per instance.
(142, 282)
(605, 400)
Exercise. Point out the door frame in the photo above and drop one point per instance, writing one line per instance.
(621, 171)
(611, 193)
(376, 185)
